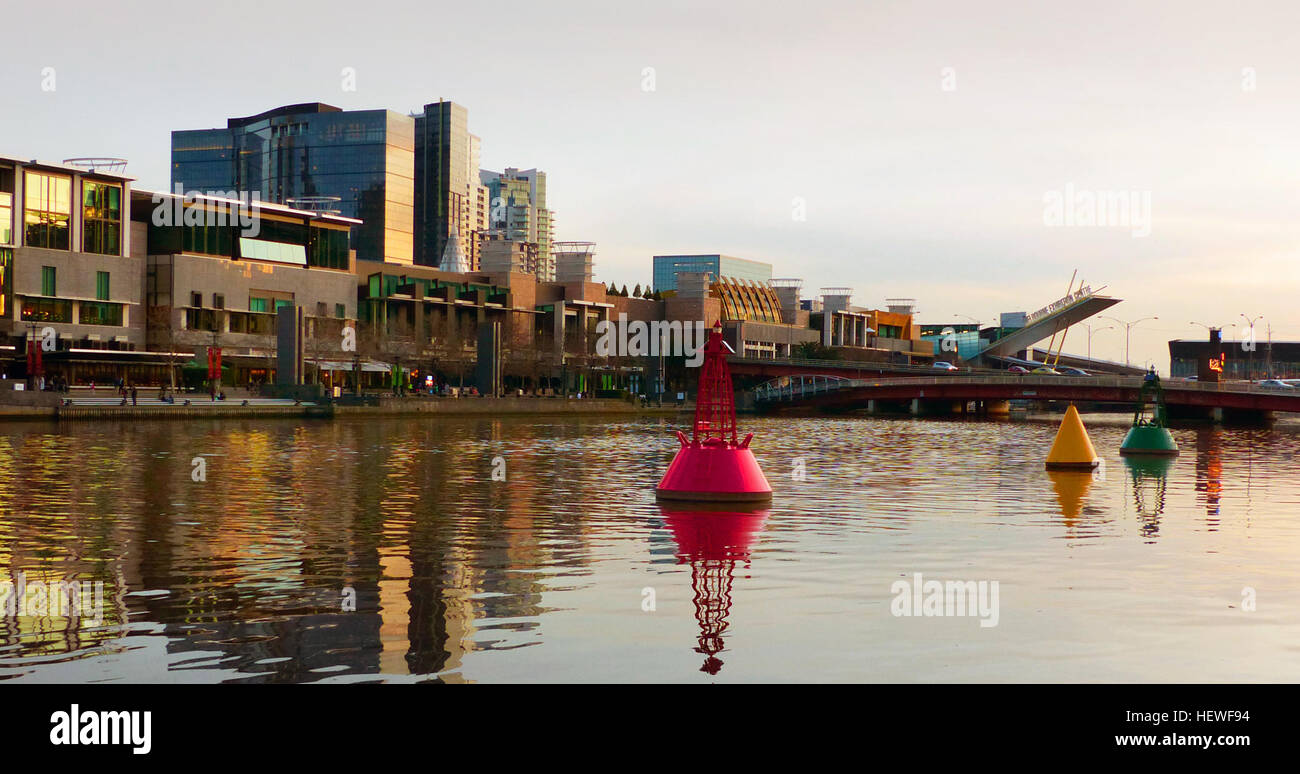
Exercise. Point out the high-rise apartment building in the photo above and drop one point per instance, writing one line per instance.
(517, 210)
(356, 163)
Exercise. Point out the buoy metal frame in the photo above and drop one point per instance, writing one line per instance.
(1150, 436)
(712, 465)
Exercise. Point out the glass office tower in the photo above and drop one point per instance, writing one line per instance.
(448, 193)
(358, 163)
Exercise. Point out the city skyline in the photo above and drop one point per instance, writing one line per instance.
(719, 135)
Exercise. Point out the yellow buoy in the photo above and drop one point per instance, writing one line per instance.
(1072, 447)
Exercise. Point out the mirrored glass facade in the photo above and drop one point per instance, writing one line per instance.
(314, 152)
(666, 268)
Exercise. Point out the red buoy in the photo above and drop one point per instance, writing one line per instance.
(713, 465)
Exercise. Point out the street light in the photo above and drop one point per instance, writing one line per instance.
(1128, 327)
(1250, 324)
(1090, 334)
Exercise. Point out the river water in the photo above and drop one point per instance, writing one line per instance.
(532, 549)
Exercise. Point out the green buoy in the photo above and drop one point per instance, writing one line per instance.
(1150, 434)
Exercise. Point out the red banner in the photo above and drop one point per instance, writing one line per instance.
(214, 363)
(35, 367)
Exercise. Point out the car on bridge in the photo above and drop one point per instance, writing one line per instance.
(1276, 384)
(1017, 369)
(944, 365)
(1072, 371)
(1046, 370)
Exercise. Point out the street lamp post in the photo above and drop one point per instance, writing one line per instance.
(1090, 334)
(1250, 325)
(1128, 327)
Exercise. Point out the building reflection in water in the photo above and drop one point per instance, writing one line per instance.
(713, 541)
(1149, 480)
(246, 571)
(56, 603)
(1209, 473)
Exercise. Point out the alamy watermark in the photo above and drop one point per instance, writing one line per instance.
(89, 727)
(952, 598)
(242, 209)
(70, 599)
(639, 338)
(1099, 209)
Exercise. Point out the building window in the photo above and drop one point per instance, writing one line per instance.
(208, 239)
(6, 279)
(340, 311)
(201, 320)
(47, 310)
(219, 300)
(49, 281)
(47, 210)
(256, 304)
(321, 308)
(328, 248)
(101, 285)
(6, 206)
(101, 218)
(196, 300)
(100, 314)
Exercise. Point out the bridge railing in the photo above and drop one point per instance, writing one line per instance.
(800, 386)
(859, 365)
(805, 386)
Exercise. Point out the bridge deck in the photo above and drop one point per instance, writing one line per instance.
(849, 393)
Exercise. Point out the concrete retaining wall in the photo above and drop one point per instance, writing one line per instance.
(387, 406)
(477, 406)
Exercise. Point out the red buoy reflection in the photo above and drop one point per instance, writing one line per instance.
(713, 542)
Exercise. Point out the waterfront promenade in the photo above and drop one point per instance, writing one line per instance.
(57, 406)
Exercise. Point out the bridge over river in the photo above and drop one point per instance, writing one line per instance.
(992, 393)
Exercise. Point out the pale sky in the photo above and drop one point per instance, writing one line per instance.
(909, 189)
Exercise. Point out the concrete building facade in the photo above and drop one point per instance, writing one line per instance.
(71, 276)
